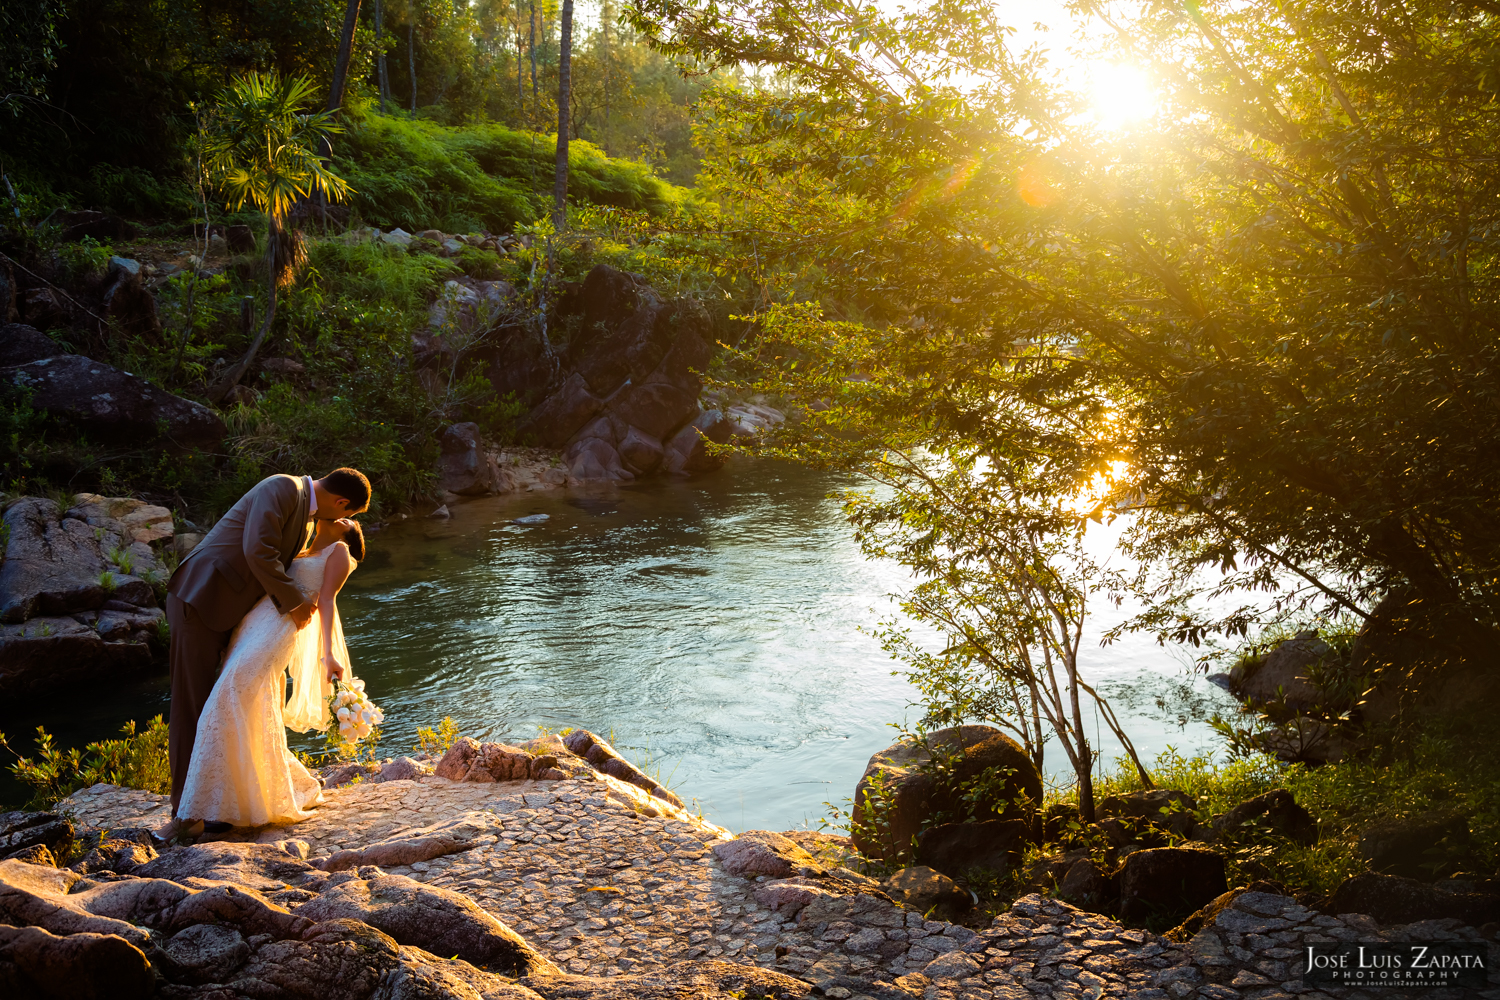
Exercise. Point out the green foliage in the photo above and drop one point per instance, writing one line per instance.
(139, 760)
(1256, 322)
(85, 258)
(261, 147)
(1440, 771)
(437, 741)
(28, 51)
(420, 175)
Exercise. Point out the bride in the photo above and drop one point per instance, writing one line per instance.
(242, 773)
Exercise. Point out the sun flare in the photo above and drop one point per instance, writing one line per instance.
(1121, 95)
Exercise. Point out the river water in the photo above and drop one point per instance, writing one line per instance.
(710, 627)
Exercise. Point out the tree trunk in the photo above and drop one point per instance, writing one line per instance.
(411, 60)
(531, 48)
(604, 12)
(382, 78)
(564, 95)
(346, 46)
(1084, 765)
(520, 69)
(231, 379)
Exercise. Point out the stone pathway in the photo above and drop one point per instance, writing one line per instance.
(611, 881)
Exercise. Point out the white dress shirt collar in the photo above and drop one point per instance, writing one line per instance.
(312, 499)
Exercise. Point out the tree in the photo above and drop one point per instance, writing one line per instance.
(1270, 305)
(261, 147)
(564, 85)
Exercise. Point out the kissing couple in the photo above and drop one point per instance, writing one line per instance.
(256, 597)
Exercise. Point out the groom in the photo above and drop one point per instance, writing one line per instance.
(244, 557)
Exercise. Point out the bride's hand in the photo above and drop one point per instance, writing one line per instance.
(334, 668)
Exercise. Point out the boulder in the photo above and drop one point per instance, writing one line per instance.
(20, 831)
(46, 655)
(53, 565)
(1283, 668)
(886, 824)
(1169, 883)
(84, 966)
(921, 888)
(259, 867)
(207, 953)
(500, 762)
(128, 302)
(1391, 899)
(562, 413)
(239, 239)
(45, 308)
(283, 366)
(995, 844)
(600, 755)
(465, 467)
(1419, 847)
(118, 855)
(458, 758)
(789, 895)
(617, 337)
(761, 852)
(21, 344)
(75, 225)
(655, 407)
(595, 460)
(428, 917)
(640, 452)
(686, 451)
(1084, 883)
(1276, 810)
(404, 769)
(435, 841)
(115, 406)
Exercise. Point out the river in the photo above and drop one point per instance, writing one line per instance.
(710, 627)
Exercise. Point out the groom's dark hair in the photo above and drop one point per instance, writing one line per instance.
(352, 485)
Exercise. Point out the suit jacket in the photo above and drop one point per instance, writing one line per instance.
(246, 555)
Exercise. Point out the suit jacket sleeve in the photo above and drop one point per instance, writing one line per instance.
(269, 511)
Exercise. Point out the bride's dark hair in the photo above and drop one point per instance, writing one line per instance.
(355, 539)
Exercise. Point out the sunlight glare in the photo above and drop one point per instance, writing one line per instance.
(1121, 95)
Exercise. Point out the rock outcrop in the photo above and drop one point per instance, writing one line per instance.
(77, 598)
(110, 405)
(627, 388)
(899, 795)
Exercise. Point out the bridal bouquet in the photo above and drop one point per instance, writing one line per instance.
(356, 717)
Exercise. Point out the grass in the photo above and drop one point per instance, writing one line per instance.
(419, 175)
(1440, 770)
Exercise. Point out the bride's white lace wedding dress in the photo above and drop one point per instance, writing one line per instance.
(242, 772)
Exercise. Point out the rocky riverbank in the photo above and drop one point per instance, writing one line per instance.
(573, 875)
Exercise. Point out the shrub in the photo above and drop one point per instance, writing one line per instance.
(139, 760)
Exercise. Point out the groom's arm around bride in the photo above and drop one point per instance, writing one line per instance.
(244, 557)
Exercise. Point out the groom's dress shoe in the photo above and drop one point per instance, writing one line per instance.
(216, 827)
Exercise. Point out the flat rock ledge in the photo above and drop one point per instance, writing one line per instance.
(627, 897)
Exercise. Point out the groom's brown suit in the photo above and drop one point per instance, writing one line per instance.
(244, 557)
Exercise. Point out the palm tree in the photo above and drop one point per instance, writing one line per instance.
(263, 149)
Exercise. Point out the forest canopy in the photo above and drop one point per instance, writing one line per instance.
(1260, 318)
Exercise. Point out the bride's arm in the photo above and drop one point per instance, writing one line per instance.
(335, 571)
